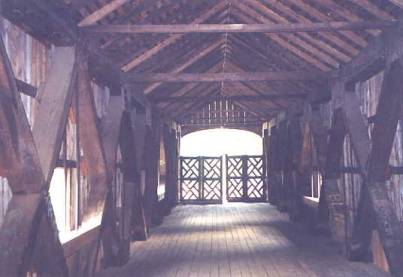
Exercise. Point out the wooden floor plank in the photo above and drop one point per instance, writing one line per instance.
(235, 239)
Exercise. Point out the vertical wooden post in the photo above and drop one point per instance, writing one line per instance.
(333, 193)
(245, 178)
(201, 177)
(151, 156)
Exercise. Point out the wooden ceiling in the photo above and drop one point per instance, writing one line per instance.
(138, 53)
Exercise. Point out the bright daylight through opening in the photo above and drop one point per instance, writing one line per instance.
(218, 142)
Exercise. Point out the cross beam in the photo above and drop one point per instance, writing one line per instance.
(239, 28)
(249, 98)
(227, 77)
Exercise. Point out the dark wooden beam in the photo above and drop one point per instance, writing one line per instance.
(227, 77)
(190, 61)
(101, 13)
(52, 22)
(26, 88)
(373, 158)
(136, 61)
(239, 28)
(24, 221)
(56, 97)
(249, 98)
(382, 50)
(383, 135)
(90, 139)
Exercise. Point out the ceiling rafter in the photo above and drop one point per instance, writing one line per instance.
(184, 90)
(170, 40)
(398, 3)
(248, 15)
(336, 9)
(101, 13)
(293, 38)
(178, 54)
(195, 57)
(332, 37)
(241, 64)
(210, 90)
(112, 40)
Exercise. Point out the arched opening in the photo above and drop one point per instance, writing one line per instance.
(220, 141)
(222, 165)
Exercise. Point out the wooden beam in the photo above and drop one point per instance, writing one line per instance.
(383, 135)
(19, 156)
(251, 16)
(373, 159)
(192, 60)
(239, 28)
(303, 18)
(333, 194)
(102, 13)
(248, 98)
(398, 3)
(152, 150)
(335, 8)
(171, 39)
(55, 99)
(58, 26)
(112, 242)
(190, 87)
(26, 88)
(227, 77)
(90, 138)
(23, 221)
(382, 50)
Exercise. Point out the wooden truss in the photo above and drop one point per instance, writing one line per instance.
(29, 238)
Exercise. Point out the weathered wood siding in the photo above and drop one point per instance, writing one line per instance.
(29, 59)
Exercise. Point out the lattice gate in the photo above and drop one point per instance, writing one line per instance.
(246, 179)
(201, 180)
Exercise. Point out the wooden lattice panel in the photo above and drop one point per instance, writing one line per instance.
(245, 178)
(201, 179)
(190, 189)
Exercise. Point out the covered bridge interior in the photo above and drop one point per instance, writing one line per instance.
(95, 96)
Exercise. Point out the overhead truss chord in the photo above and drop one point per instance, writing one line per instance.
(227, 76)
(240, 28)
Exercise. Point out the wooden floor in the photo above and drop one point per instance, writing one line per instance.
(235, 240)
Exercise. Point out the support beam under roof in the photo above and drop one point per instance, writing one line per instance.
(239, 28)
(227, 77)
(249, 98)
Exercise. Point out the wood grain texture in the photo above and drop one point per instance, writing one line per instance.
(235, 240)
(227, 77)
(238, 28)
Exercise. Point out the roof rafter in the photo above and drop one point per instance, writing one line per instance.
(170, 40)
(339, 10)
(249, 16)
(196, 57)
(102, 13)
